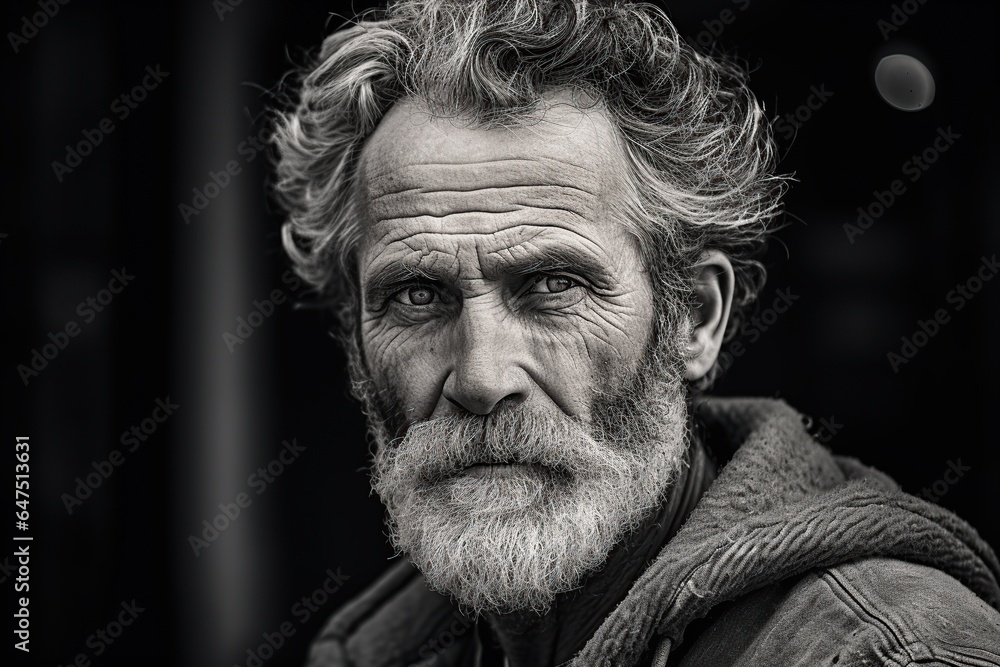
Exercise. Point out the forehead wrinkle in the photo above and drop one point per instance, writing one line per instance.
(529, 190)
(545, 200)
(498, 252)
(390, 178)
(584, 144)
(405, 161)
(383, 235)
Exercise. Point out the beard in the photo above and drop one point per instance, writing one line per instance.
(508, 510)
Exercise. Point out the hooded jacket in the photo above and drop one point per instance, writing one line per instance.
(792, 556)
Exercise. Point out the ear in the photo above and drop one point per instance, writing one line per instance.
(713, 293)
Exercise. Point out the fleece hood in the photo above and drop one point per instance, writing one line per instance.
(781, 506)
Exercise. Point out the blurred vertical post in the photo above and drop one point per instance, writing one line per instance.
(226, 434)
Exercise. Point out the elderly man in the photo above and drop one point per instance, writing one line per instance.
(537, 221)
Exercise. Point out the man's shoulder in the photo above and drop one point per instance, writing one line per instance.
(872, 611)
(395, 621)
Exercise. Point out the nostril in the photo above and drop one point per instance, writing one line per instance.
(483, 405)
(510, 401)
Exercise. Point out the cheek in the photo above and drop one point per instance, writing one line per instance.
(593, 349)
(408, 360)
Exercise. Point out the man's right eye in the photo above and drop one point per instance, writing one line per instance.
(415, 296)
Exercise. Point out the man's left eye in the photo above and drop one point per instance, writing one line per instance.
(552, 284)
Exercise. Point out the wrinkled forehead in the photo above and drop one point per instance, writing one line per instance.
(413, 151)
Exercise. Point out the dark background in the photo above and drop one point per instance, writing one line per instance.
(163, 335)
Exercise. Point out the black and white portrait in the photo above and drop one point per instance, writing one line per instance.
(512, 333)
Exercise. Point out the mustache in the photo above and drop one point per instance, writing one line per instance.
(440, 448)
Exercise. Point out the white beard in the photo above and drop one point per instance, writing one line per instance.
(507, 538)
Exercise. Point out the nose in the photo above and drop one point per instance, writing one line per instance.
(487, 363)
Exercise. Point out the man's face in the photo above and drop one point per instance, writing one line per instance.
(528, 418)
(492, 266)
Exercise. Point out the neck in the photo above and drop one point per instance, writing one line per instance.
(528, 639)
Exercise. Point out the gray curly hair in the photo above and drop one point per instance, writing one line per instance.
(698, 148)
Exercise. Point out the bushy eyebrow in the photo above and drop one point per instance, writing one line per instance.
(398, 273)
(547, 258)
(550, 257)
